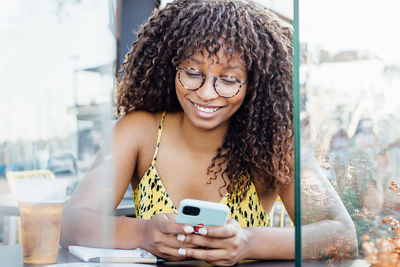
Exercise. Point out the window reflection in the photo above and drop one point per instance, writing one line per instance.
(56, 80)
(350, 121)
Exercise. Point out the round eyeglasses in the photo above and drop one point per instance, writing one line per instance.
(225, 85)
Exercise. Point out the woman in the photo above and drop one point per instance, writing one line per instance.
(205, 95)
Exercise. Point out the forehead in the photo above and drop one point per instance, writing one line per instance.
(220, 57)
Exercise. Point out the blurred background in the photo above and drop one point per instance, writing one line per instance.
(350, 111)
(58, 60)
(58, 63)
(56, 85)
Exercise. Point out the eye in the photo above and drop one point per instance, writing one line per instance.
(228, 80)
(193, 73)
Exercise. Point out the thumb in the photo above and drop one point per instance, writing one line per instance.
(171, 216)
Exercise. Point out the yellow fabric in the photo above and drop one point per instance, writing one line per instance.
(151, 197)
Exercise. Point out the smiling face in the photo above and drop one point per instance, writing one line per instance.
(204, 107)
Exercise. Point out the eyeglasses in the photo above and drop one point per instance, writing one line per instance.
(225, 85)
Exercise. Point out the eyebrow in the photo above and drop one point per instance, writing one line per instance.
(225, 67)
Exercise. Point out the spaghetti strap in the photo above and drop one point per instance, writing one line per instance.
(160, 127)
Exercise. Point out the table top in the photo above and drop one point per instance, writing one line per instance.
(12, 256)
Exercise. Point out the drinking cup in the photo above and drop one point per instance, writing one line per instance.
(41, 203)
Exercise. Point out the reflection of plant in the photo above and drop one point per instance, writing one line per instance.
(353, 173)
(385, 251)
(347, 184)
(395, 188)
(313, 203)
(351, 200)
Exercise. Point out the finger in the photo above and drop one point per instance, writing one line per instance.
(168, 225)
(204, 241)
(171, 253)
(171, 216)
(209, 255)
(175, 229)
(172, 241)
(228, 230)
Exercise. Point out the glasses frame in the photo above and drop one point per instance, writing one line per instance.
(215, 78)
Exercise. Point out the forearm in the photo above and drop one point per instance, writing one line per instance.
(128, 232)
(86, 227)
(327, 228)
(328, 238)
(271, 243)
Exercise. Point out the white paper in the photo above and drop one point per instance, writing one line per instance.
(42, 190)
(90, 264)
(86, 253)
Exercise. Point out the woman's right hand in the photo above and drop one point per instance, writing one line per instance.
(160, 236)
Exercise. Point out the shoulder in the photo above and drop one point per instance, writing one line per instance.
(138, 121)
(136, 127)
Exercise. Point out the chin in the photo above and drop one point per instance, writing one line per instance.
(205, 118)
(206, 125)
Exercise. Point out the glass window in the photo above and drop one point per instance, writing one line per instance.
(57, 74)
(57, 81)
(349, 80)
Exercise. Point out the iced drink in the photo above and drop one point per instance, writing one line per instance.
(41, 203)
(40, 231)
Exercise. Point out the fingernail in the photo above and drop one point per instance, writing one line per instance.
(182, 252)
(203, 231)
(181, 237)
(188, 229)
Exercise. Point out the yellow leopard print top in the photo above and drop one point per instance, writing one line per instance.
(151, 197)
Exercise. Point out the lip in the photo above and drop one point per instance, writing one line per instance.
(205, 106)
(205, 115)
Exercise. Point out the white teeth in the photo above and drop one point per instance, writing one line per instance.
(205, 109)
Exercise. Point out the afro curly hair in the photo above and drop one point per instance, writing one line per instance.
(259, 140)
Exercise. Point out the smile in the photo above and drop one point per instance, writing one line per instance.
(204, 109)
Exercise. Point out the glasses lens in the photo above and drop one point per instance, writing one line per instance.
(227, 86)
(191, 79)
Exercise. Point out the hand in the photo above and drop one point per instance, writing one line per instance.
(218, 245)
(160, 236)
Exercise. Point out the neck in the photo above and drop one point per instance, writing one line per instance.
(202, 140)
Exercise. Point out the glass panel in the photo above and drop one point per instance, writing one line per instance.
(57, 81)
(349, 80)
(183, 154)
(61, 129)
(297, 140)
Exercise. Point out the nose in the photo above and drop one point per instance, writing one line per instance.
(207, 91)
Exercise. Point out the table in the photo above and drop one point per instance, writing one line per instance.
(12, 256)
(9, 209)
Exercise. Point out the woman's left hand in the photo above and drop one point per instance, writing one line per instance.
(218, 245)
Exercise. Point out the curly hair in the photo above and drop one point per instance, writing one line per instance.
(259, 140)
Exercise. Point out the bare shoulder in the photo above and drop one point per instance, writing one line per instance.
(136, 128)
(137, 123)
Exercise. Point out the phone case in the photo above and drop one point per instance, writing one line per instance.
(211, 213)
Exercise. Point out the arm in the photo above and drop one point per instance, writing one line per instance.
(328, 231)
(87, 215)
(327, 228)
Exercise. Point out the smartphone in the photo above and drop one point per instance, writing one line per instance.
(198, 213)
